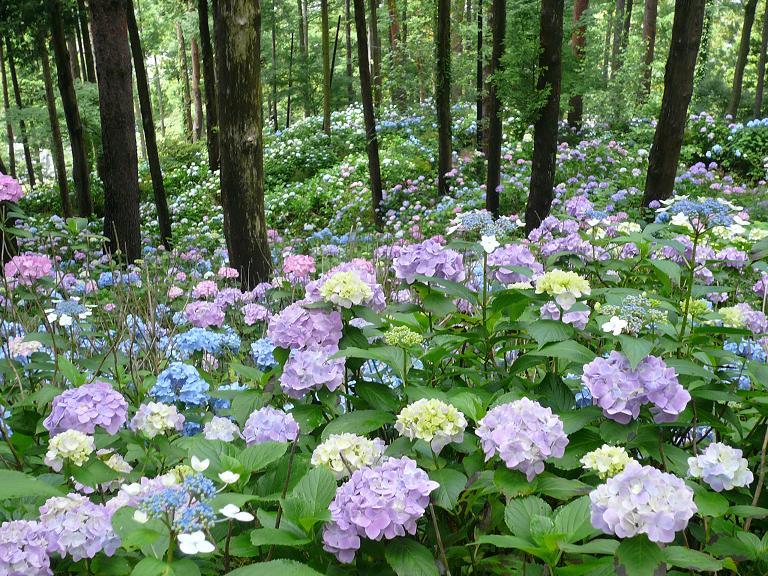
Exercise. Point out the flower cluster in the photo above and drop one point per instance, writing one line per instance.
(429, 258)
(270, 425)
(345, 453)
(71, 446)
(699, 213)
(299, 327)
(378, 502)
(346, 289)
(298, 268)
(351, 283)
(180, 383)
(262, 351)
(512, 263)
(433, 421)
(23, 549)
(642, 500)
(607, 460)
(403, 337)
(220, 428)
(156, 418)
(565, 286)
(86, 407)
(10, 189)
(636, 312)
(26, 269)
(311, 369)
(524, 434)
(184, 505)
(743, 316)
(721, 467)
(204, 314)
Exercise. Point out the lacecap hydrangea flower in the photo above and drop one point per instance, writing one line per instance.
(429, 258)
(721, 467)
(642, 500)
(269, 424)
(565, 286)
(379, 503)
(70, 446)
(606, 461)
(524, 434)
(23, 549)
(345, 453)
(310, 370)
(86, 407)
(433, 421)
(156, 418)
(346, 289)
(180, 383)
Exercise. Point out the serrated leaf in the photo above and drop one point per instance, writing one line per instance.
(599, 546)
(360, 422)
(276, 537)
(639, 556)
(309, 500)
(710, 503)
(258, 456)
(409, 558)
(682, 557)
(152, 567)
(546, 331)
(573, 520)
(518, 514)
(275, 568)
(15, 484)
(452, 483)
(635, 349)
(566, 350)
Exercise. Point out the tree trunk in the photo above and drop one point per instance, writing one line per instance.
(326, 51)
(118, 137)
(159, 94)
(290, 83)
(375, 52)
(80, 52)
(197, 99)
(90, 69)
(184, 77)
(499, 30)
(275, 127)
(741, 61)
(238, 57)
(72, 49)
(58, 148)
(443, 94)
(139, 131)
(335, 50)
(678, 89)
(607, 42)
(649, 38)
(6, 109)
(77, 136)
(627, 26)
(366, 95)
(757, 109)
(703, 59)
(399, 95)
(148, 124)
(479, 78)
(578, 41)
(618, 27)
(20, 106)
(457, 46)
(545, 129)
(209, 77)
(348, 34)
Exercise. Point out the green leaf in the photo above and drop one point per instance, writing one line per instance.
(275, 568)
(259, 456)
(70, 371)
(639, 556)
(452, 483)
(599, 546)
(409, 558)
(573, 520)
(519, 512)
(546, 331)
(748, 511)
(360, 422)
(667, 270)
(276, 537)
(94, 473)
(553, 393)
(377, 395)
(566, 350)
(711, 503)
(152, 567)
(309, 500)
(18, 485)
(504, 541)
(561, 488)
(578, 419)
(691, 559)
(390, 355)
(635, 349)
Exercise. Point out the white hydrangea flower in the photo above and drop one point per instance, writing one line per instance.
(219, 428)
(346, 289)
(195, 543)
(607, 460)
(71, 445)
(433, 421)
(721, 467)
(345, 453)
(564, 285)
(615, 325)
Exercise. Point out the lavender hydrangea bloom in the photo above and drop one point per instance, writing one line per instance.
(311, 369)
(621, 391)
(299, 327)
(23, 549)
(515, 255)
(377, 502)
(524, 434)
(270, 425)
(429, 258)
(86, 407)
(75, 526)
(721, 467)
(642, 500)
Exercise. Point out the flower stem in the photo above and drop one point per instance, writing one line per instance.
(439, 540)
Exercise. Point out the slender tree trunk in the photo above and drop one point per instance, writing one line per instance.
(77, 136)
(404, 23)
(80, 52)
(487, 73)
(457, 46)
(184, 77)
(290, 83)
(607, 42)
(72, 49)
(159, 94)
(335, 49)
(618, 27)
(238, 56)
(479, 78)
(139, 131)
(90, 69)
(499, 30)
(399, 95)
(443, 94)
(348, 55)
(120, 165)
(678, 89)
(649, 38)
(578, 41)
(545, 129)
(366, 95)
(20, 106)
(53, 118)
(148, 125)
(197, 99)
(627, 25)
(304, 60)
(375, 52)
(703, 58)
(209, 76)
(757, 109)
(6, 112)
(275, 127)
(326, 51)
(741, 62)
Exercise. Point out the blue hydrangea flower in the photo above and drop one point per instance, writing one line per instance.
(203, 340)
(262, 352)
(180, 383)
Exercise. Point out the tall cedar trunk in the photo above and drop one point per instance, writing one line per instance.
(443, 94)
(275, 127)
(498, 30)
(80, 52)
(627, 26)
(678, 89)
(375, 52)
(77, 136)
(545, 129)
(148, 124)
(6, 108)
(757, 109)
(139, 131)
(649, 38)
(741, 61)
(399, 95)
(3, 167)
(53, 118)
(20, 106)
(72, 49)
(184, 77)
(457, 46)
(703, 58)
(290, 83)
(90, 68)
(618, 27)
(487, 64)
(578, 41)
(238, 57)
(607, 41)
(335, 49)
(366, 95)
(159, 94)
(348, 55)
(197, 99)
(304, 60)
(109, 21)
(326, 52)
(209, 77)
(479, 77)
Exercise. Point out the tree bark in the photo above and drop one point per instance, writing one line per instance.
(197, 99)
(335, 50)
(90, 68)
(578, 41)
(59, 163)
(80, 52)
(6, 109)
(304, 60)
(290, 83)
(77, 137)
(758, 106)
(148, 125)
(443, 94)
(649, 38)
(326, 52)
(348, 55)
(545, 129)
(109, 21)
(399, 95)
(209, 77)
(678, 89)
(375, 52)
(479, 78)
(184, 77)
(618, 27)
(741, 61)
(159, 94)
(499, 30)
(627, 25)
(20, 106)
(366, 94)
(607, 42)
(238, 54)
(73, 55)
(275, 126)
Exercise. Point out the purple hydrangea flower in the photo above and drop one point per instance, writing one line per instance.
(377, 502)
(86, 407)
(10, 189)
(311, 369)
(514, 255)
(204, 314)
(429, 258)
(270, 425)
(299, 327)
(524, 434)
(23, 549)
